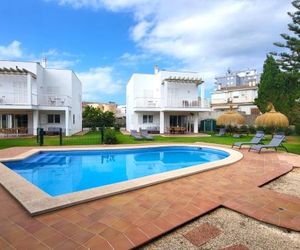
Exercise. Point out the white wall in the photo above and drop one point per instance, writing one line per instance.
(48, 82)
(43, 119)
(76, 105)
(237, 96)
(154, 91)
(57, 82)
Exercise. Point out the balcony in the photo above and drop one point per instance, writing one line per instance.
(54, 100)
(181, 103)
(21, 98)
(141, 102)
(239, 100)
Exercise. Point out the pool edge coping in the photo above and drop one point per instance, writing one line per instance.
(36, 201)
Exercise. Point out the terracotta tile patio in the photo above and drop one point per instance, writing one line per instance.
(202, 234)
(130, 219)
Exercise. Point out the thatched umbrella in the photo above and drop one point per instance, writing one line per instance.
(272, 118)
(231, 118)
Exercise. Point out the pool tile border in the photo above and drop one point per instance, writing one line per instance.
(36, 201)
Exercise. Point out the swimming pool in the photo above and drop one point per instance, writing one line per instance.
(64, 172)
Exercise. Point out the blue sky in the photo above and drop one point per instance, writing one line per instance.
(105, 41)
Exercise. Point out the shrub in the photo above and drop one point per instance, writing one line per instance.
(110, 136)
(267, 130)
(117, 127)
(286, 131)
(244, 129)
(252, 130)
(297, 129)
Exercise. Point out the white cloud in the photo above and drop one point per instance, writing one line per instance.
(206, 36)
(140, 30)
(98, 82)
(59, 59)
(114, 5)
(11, 51)
(61, 64)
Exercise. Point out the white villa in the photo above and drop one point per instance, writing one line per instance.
(238, 89)
(33, 96)
(165, 102)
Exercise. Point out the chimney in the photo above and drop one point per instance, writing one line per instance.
(156, 69)
(44, 62)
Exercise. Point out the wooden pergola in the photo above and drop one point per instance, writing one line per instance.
(16, 70)
(195, 80)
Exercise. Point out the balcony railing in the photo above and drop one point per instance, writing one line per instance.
(21, 98)
(243, 99)
(180, 103)
(141, 102)
(14, 98)
(54, 100)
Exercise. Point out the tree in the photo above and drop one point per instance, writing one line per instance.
(289, 60)
(269, 87)
(94, 117)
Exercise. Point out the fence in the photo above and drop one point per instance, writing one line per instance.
(87, 138)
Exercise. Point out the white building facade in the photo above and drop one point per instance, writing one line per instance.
(165, 101)
(33, 96)
(238, 89)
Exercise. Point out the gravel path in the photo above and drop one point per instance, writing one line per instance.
(237, 228)
(287, 184)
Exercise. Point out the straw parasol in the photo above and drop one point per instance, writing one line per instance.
(231, 118)
(272, 118)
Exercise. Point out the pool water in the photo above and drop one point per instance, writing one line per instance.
(63, 172)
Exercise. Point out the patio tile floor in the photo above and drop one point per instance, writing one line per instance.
(131, 219)
(202, 234)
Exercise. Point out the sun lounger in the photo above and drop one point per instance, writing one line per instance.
(276, 142)
(135, 134)
(144, 134)
(237, 135)
(255, 140)
(222, 132)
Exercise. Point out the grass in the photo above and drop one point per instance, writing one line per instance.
(292, 144)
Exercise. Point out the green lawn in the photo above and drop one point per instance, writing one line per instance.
(293, 142)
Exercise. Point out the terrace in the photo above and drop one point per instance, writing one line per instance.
(134, 218)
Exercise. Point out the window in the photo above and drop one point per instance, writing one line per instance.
(150, 118)
(4, 121)
(144, 118)
(50, 119)
(147, 118)
(73, 119)
(57, 118)
(53, 118)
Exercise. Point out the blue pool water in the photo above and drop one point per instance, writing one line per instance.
(62, 172)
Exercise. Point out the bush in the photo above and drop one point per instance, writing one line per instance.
(117, 127)
(267, 130)
(244, 129)
(286, 131)
(110, 136)
(252, 130)
(297, 129)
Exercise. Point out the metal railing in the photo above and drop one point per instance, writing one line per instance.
(243, 99)
(13, 98)
(54, 100)
(21, 98)
(141, 102)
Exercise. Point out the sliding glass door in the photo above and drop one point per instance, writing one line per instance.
(14, 121)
